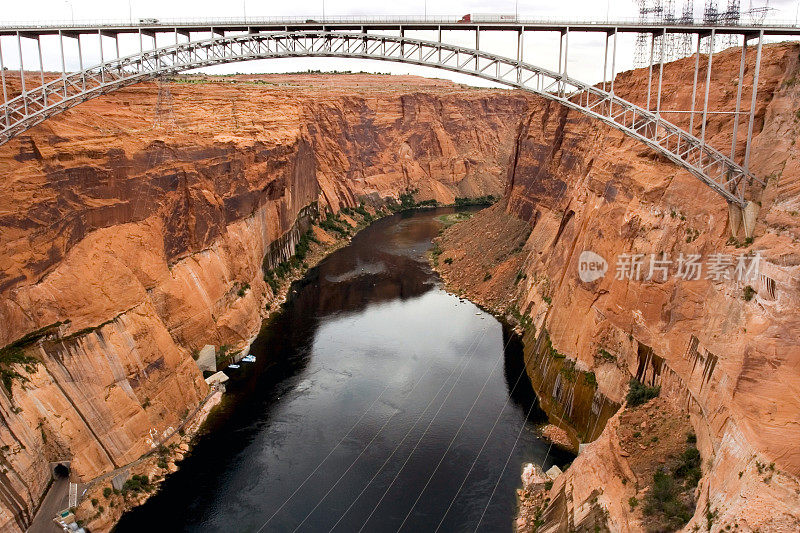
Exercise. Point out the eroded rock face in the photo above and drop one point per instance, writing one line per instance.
(128, 235)
(726, 359)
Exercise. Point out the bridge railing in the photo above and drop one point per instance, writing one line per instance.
(66, 24)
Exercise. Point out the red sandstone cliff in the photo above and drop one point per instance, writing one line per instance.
(126, 235)
(129, 236)
(730, 363)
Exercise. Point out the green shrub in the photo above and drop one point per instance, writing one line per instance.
(639, 393)
(479, 200)
(689, 467)
(304, 245)
(555, 354)
(331, 223)
(243, 288)
(568, 370)
(748, 292)
(633, 502)
(428, 203)
(605, 355)
(664, 499)
(14, 353)
(107, 492)
(436, 251)
(448, 261)
(269, 278)
(136, 484)
(407, 199)
(525, 321)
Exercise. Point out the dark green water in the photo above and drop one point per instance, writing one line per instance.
(378, 402)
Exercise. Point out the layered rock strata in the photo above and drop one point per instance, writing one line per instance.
(135, 227)
(723, 351)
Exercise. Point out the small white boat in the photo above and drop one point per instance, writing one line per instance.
(249, 359)
(233, 366)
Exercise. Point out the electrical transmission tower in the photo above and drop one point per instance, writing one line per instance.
(683, 45)
(731, 16)
(165, 114)
(710, 13)
(758, 14)
(665, 47)
(649, 11)
(711, 17)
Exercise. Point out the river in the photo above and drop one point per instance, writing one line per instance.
(378, 402)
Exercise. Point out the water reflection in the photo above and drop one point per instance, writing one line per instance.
(372, 385)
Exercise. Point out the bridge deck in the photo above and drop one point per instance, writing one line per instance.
(393, 24)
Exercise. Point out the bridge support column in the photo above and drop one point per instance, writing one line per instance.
(605, 63)
(80, 63)
(753, 102)
(650, 68)
(734, 219)
(743, 218)
(749, 215)
(708, 86)
(694, 85)
(63, 61)
(660, 80)
(22, 72)
(738, 97)
(3, 77)
(102, 60)
(41, 68)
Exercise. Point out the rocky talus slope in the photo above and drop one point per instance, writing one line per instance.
(134, 228)
(724, 353)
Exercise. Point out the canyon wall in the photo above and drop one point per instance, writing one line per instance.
(725, 354)
(134, 227)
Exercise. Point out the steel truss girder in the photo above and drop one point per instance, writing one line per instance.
(712, 167)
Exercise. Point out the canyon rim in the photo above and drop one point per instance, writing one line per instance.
(134, 235)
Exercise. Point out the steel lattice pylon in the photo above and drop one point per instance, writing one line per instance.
(713, 168)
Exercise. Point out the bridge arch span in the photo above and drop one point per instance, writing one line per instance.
(709, 165)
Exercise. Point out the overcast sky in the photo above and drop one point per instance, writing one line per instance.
(586, 50)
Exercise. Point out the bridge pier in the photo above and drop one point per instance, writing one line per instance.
(743, 218)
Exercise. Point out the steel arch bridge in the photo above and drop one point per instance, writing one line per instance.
(712, 167)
